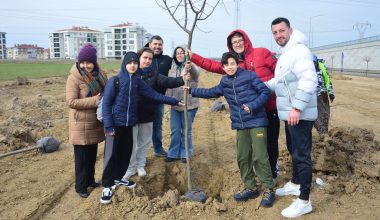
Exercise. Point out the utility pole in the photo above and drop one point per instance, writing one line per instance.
(237, 14)
(361, 28)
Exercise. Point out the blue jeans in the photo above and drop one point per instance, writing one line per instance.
(299, 142)
(177, 135)
(157, 128)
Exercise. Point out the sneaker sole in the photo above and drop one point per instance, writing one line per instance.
(300, 214)
(291, 193)
(105, 201)
(132, 186)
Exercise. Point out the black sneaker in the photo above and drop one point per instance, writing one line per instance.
(83, 194)
(123, 182)
(246, 194)
(94, 185)
(161, 153)
(268, 198)
(171, 159)
(106, 195)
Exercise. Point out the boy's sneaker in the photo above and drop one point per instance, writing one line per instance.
(289, 189)
(129, 173)
(124, 182)
(106, 196)
(246, 194)
(160, 153)
(141, 171)
(268, 198)
(297, 208)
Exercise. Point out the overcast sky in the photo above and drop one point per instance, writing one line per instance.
(332, 21)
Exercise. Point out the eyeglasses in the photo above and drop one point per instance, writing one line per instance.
(237, 42)
(180, 53)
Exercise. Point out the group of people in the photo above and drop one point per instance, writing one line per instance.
(260, 89)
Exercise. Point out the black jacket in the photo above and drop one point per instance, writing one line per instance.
(155, 80)
(162, 64)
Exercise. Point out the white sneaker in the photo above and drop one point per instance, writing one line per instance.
(106, 196)
(129, 173)
(297, 208)
(141, 171)
(289, 189)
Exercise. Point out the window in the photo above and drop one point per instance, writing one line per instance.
(117, 53)
(56, 50)
(124, 47)
(117, 47)
(117, 36)
(109, 48)
(124, 36)
(124, 30)
(131, 47)
(124, 41)
(109, 53)
(56, 55)
(56, 45)
(131, 41)
(56, 39)
(94, 40)
(117, 41)
(117, 31)
(55, 35)
(88, 39)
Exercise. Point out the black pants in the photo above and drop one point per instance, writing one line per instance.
(273, 131)
(117, 153)
(85, 158)
(299, 142)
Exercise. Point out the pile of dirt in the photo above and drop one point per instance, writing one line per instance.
(26, 119)
(347, 159)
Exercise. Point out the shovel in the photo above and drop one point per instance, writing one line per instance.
(45, 145)
(192, 194)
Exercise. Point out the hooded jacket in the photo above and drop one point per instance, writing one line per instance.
(242, 88)
(178, 70)
(120, 108)
(295, 79)
(259, 60)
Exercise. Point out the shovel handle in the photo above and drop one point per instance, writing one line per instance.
(20, 151)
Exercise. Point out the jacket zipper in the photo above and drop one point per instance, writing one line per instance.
(288, 90)
(129, 99)
(233, 86)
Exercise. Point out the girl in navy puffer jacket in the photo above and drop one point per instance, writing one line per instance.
(119, 116)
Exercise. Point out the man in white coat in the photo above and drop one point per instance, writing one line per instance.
(295, 84)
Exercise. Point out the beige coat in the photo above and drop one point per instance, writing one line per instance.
(84, 127)
(177, 93)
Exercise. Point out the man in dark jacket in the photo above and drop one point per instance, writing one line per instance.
(246, 95)
(263, 63)
(162, 64)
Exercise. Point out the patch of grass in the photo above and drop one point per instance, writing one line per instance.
(11, 70)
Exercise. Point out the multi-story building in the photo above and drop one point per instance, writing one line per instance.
(122, 38)
(25, 52)
(3, 52)
(65, 44)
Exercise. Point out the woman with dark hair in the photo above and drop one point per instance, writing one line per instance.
(84, 88)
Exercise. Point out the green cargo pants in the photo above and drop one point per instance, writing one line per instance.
(252, 152)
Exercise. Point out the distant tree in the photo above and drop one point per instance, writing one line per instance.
(186, 13)
(366, 59)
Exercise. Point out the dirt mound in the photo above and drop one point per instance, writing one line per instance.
(347, 156)
(25, 119)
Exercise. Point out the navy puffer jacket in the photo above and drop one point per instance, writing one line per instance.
(120, 108)
(242, 88)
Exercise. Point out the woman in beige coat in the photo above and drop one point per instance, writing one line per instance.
(84, 87)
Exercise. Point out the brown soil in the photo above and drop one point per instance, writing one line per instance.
(41, 186)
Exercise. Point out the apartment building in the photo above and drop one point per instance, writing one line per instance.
(65, 44)
(3, 41)
(25, 52)
(122, 38)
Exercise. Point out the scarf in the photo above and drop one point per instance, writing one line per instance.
(95, 80)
